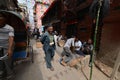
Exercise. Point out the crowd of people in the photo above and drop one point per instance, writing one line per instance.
(75, 49)
(36, 33)
(72, 49)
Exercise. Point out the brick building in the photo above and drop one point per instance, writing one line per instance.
(40, 7)
(108, 40)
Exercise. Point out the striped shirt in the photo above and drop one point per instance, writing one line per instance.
(5, 33)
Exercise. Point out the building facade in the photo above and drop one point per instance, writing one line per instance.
(40, 7)
(67, 21)
(108, 34)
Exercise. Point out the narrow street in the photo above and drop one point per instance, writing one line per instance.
(83, 27)
(38, 70)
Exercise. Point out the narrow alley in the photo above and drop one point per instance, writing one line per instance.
(59, 39)
(38, 70)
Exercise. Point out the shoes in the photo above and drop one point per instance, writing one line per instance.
(63, 63)
(52, 69)
(60, 60)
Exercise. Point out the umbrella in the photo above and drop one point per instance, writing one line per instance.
(104, 9)
(15, 20)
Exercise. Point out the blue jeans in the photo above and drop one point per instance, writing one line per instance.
(49, 54)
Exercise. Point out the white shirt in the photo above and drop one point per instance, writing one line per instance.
(78, 44)
(55, 37)
(5, 33)
(59, 37)
(71, 42)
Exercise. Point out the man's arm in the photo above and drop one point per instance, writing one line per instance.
(11, 41)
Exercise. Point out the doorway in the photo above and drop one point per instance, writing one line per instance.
(71, 30)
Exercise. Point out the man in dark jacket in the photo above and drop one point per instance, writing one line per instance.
(87, 49)
(48, 46)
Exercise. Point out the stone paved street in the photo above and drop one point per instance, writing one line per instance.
(38, 70)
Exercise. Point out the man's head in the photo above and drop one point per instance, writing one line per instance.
(50, 29)
(2, 20)
(89, 41)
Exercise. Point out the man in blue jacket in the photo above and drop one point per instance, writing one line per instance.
(48, 46)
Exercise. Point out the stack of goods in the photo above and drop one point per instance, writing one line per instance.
(20, 46)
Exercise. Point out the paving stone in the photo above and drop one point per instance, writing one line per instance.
(38, 70)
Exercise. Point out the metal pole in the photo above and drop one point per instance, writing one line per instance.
(95, 38)
(116, 67)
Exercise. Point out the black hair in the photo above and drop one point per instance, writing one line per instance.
(47, 26)
(76, 36)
